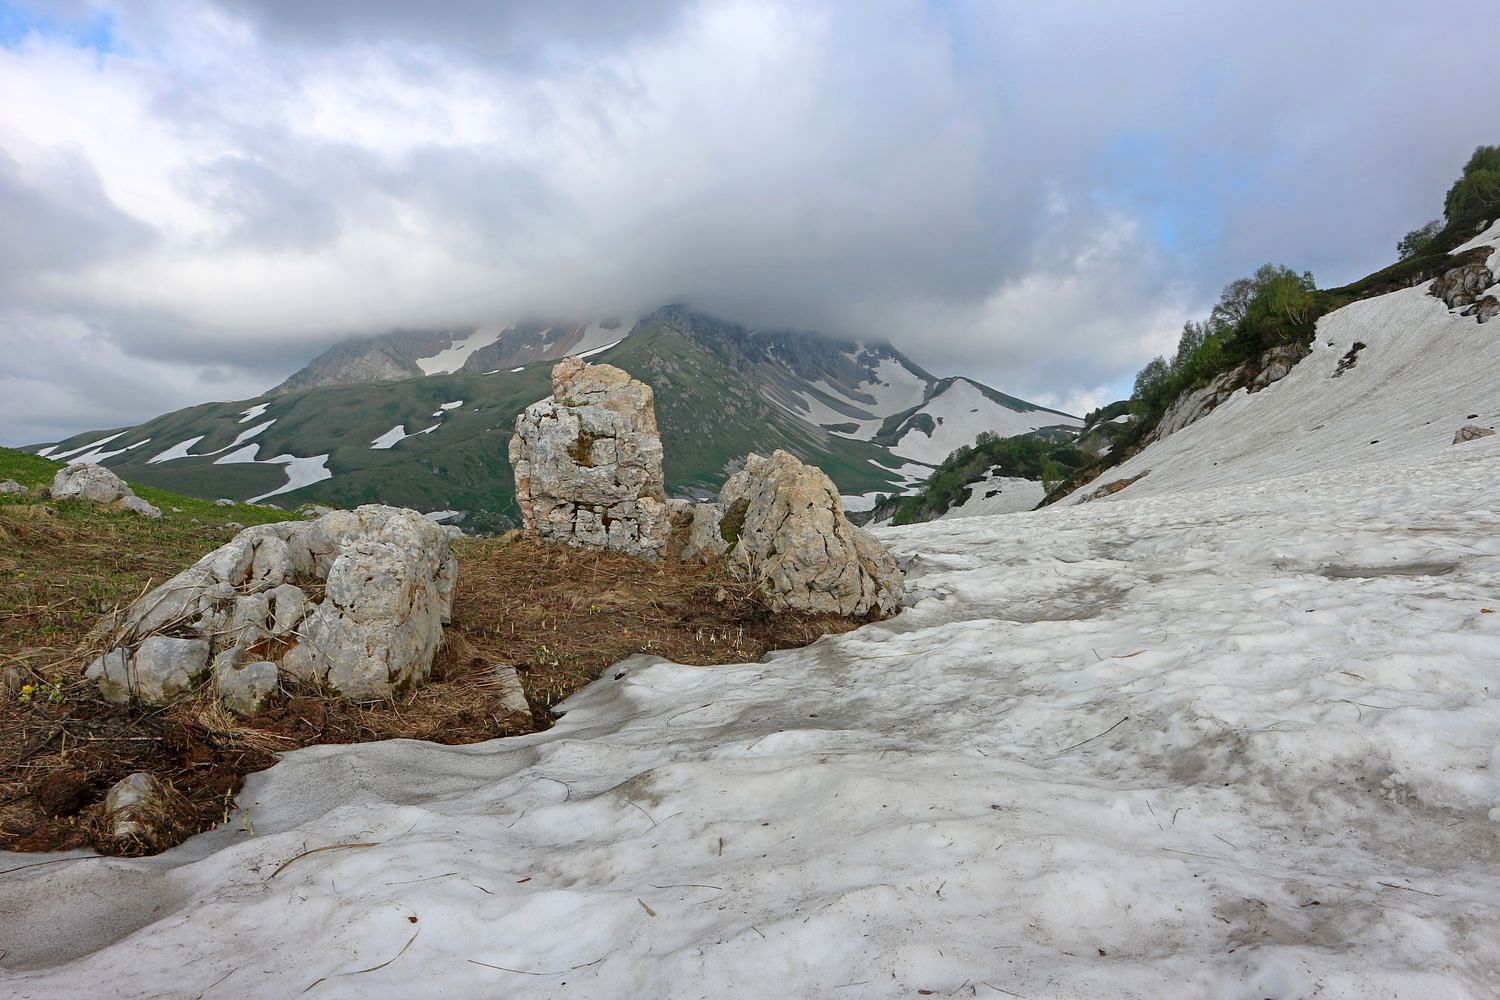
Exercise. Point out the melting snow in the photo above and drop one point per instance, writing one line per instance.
(183, 449)
(596, 350)
(999, 495)
(300, 472)
(1172, 747)
(99, 454)
(520, 369)
(91, 446)
(444, 408)
(959, 413)
(390, 438)
(452, 358)
(44, 452)
(248, 415)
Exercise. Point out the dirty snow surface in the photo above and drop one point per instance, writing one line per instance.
(1225, 743)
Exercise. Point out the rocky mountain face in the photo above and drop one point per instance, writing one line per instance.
(421, 418)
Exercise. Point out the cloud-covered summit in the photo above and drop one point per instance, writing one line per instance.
(199, 198)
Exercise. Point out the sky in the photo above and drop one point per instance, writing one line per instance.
(198, 198)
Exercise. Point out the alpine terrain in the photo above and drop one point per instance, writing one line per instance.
(420, 419)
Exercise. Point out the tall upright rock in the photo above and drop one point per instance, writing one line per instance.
(588, 462)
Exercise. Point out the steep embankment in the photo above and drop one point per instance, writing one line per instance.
(1391, 377)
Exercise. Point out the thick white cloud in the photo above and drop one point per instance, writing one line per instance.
(1039, 195)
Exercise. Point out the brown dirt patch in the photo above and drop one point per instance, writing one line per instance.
(559, 616)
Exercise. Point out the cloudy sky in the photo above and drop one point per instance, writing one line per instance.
(197, 198)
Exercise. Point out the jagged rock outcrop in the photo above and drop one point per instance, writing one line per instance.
(588, 462)
(96, 484)
(1472, 432)
(786, 532)
(1190, 407)
(1484, 309)
(355, 600)
(1463, 285)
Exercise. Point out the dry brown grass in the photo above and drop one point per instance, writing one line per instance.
(558, 615)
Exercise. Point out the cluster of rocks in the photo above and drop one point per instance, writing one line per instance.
(1466, 286)
(588, 473)
(96, 484)
(354, 601)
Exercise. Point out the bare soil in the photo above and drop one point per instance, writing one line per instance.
(560, 616)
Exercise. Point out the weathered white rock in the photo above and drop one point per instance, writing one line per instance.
(112, 673)
(787, 533)
(223, 502)
(704, 538)
(514, 698)
(245, 688)
(588, 462)
(164, 668)
(379, 624)
(136, 505)
(86, 481)
(11, 487)
(133, 806)
(1472, 432)
(388, 587)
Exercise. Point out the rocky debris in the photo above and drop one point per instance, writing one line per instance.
(386, 582)
(223, 502)
(515, 695)
(12, 488)
(1190, 407)
(588, 462)
(1463, 285)
(1484, 309)
(1472, 432)
(1110, 489)
(96, 484)
(135, 807)
(1276, 364)
(1349, 360)
(785, 530)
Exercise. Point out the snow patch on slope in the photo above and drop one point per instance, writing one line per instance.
(998, 495)
(1423, 373)
(390, 438)
(452, 358)
(248, 415)
(959, 413)
(99, 454)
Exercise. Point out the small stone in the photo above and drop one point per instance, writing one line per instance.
(133, 807)
(223, 502)
(514, 697)
(136, 505)
(12, 488)
(111, 672)
(245, 688)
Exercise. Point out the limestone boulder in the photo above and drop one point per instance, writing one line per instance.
(786, 532)
(12, 488)
(96, 484)
(588, 462)
(386, 580)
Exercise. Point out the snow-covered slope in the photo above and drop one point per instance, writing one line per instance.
(958, 411)
(998, 495)
(1422, 372)
(1232, 743)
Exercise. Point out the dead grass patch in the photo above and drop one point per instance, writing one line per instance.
(559, 616)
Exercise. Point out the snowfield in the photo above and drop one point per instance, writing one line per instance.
(1228, 743)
